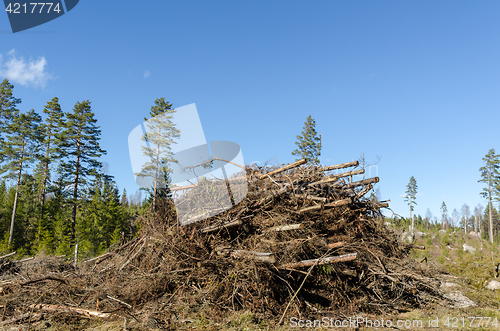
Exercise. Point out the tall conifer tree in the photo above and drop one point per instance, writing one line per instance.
(81, 147)
(20, 149)
(308, 143)
(8, 110)
(161, 132)
(411, 194)
(490, 176)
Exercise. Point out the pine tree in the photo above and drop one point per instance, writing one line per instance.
(161, 132)
(308, 143)
(20, 149)
(81, 147)
(411, 193)
(490, 176)
(51, 135)
(8, 110)
(444, 211)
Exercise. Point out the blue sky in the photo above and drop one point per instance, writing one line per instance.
(415, 82)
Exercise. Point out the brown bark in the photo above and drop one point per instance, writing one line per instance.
(318, 262)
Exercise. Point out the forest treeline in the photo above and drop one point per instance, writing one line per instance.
(54, 190)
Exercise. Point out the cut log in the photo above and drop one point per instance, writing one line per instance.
(365, 190)
(338, 203)
(316, 207)
(362, 182)
(256, 256)
(229, 224)
(290, 166)
(341, 166)
(330, 179)
(350, 173)
(66, 309)
(310, 197)
(287, 227)
(328, 205)
(318, 262)
(335, 245)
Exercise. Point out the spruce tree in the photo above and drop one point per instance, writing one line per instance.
(411, 194)
(20, 149)
(81, 148)
(308, 143)
(444, 211)
(161, 132)
(490, 176)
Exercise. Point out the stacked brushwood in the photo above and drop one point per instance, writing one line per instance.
(303, 241)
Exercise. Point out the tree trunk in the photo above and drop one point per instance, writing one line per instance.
(13, 219)
(491, 210)
(412, 223)
(75, 190)
(156, 176)
(44, 179)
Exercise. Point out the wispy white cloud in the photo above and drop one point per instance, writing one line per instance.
(403, 195)
(147, 73)
(418, 194)
(25, 72)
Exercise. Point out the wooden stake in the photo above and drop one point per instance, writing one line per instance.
(75, 263)
(290, 166)
(326, 260)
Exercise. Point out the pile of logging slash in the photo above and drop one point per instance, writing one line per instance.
(305, 241)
